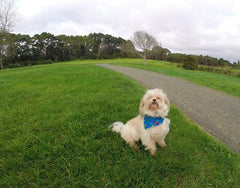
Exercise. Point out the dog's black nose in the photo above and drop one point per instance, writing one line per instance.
(154, 100)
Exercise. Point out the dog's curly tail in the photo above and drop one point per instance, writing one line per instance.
(116, 127)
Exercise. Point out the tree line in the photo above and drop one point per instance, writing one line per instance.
(199, 59)
(23, 50)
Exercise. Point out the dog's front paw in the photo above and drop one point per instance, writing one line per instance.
(135, 147)
(162, 144)
(153, 153)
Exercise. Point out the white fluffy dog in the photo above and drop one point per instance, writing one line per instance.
(151, 126)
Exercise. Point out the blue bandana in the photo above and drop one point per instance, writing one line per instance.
(152, 121)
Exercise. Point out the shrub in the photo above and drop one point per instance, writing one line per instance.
(14, 65)
(190, 62)
(48, 61)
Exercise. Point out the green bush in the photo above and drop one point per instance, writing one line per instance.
(48, 61)
(14, 65)
(190, 62)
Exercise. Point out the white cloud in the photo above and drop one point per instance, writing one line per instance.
(189, 26)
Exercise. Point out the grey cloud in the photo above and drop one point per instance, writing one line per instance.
(196, 27)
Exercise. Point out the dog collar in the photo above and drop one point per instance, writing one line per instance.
(150, 121)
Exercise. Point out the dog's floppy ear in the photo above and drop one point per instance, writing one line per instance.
(166, 101)
(141, 105)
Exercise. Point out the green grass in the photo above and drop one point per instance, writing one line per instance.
(54, 133)
(222, 70)
(216, 81)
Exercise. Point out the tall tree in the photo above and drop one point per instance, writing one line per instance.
(128, 49)
(101, 48)
(23, 47)
(159, 53)
(145, 42)
(7, 22)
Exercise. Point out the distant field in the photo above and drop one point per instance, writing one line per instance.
(54, 133)
(216, 81)
(222, 70)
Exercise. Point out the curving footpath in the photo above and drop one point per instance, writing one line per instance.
(217, 112)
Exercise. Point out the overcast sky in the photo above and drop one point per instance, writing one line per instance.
(207, 27)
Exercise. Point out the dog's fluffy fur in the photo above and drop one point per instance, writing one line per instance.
(154, 103)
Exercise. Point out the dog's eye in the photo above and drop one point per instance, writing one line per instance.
(149, 98)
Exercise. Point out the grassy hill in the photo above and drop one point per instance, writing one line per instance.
(54, 132)
(213, 80)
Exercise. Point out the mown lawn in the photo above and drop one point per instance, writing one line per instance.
(54, 133)
(216, 81)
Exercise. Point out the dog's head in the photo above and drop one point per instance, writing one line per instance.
(154, 103)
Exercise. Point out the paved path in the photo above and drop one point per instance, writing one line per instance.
(217, 112)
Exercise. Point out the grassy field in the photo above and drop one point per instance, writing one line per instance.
(216, 81)
(54, 133)
(223, 70)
